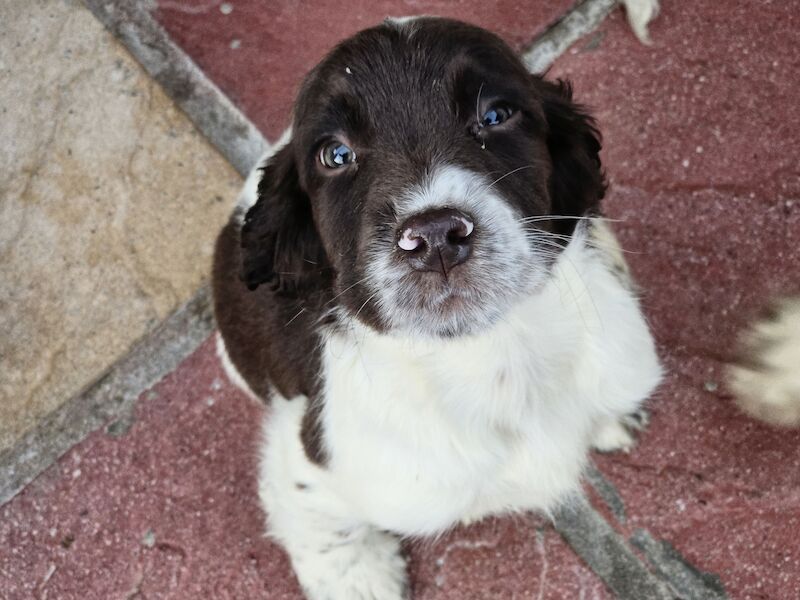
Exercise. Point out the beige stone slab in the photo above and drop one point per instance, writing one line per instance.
(109, 205)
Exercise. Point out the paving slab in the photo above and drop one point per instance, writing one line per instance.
(700, 147)
(163, 505)
(258, 53)
(109, 205)
(520, 557)
(704, 176)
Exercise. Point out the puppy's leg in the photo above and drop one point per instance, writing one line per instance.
(603, 238)
(612, 434)
(617, 433)
(335, 555)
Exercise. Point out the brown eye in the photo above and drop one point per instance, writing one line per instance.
(335, 155)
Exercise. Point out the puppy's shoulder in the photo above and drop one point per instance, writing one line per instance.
(603, 239)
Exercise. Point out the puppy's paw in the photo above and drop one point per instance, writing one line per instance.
(636, 421)
(369, 569)
(612, 435)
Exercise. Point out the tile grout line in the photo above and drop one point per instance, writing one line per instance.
(582, 19)
(607, 553)
(110, 398)
(211, 111)
(594, 538)
(161, 350)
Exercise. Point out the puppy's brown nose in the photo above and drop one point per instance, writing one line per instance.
(437, 240)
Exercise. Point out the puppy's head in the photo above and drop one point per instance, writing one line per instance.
(429, 183)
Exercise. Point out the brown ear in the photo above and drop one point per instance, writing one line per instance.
(280, 243)
(577, 183)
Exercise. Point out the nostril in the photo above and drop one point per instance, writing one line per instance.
(408, 241)
(443, 234)
(461, 231)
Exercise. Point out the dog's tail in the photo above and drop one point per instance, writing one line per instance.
(765, 379)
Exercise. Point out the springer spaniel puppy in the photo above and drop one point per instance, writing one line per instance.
(419, 290)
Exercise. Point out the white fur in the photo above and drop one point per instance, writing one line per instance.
(611, 435)
(406, 24)
(335, 553)
(768, 385)
(424, 433)
(400, 22)
(230, 370)
(502, 256)
(248, 195)
(640, 13)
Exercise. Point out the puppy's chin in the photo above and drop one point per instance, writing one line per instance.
(429, 306)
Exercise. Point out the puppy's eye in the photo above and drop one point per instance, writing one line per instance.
(496, 115)
(335, 155)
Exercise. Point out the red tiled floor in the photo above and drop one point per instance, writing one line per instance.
(257, 52)
(721, 488)
(700, 136)
(700, 147)
(169, 509)
(502, 558)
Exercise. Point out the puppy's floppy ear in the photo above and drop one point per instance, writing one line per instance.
(577, 183)
(280, 243)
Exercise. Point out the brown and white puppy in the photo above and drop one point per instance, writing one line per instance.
(419, 289)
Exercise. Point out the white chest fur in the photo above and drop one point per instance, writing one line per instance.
(425, 433)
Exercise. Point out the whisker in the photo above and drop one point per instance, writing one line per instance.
(365, 303)
(478, 115)
(347, 289)
(555, 217)
(550, 234)
(510, 173)
(302, 310)
(539, 235)
(478, 104)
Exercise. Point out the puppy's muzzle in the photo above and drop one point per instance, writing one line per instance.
(437, 240)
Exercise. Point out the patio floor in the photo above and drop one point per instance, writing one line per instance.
(156, 498)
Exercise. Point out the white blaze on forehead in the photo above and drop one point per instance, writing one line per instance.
(402, 21)
(449, 186)
(408, 24)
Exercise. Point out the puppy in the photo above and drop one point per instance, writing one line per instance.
(417, 287)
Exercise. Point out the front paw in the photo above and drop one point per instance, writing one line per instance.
(613, 435)
(370, 569)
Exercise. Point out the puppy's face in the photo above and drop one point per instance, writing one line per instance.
(423, 180)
